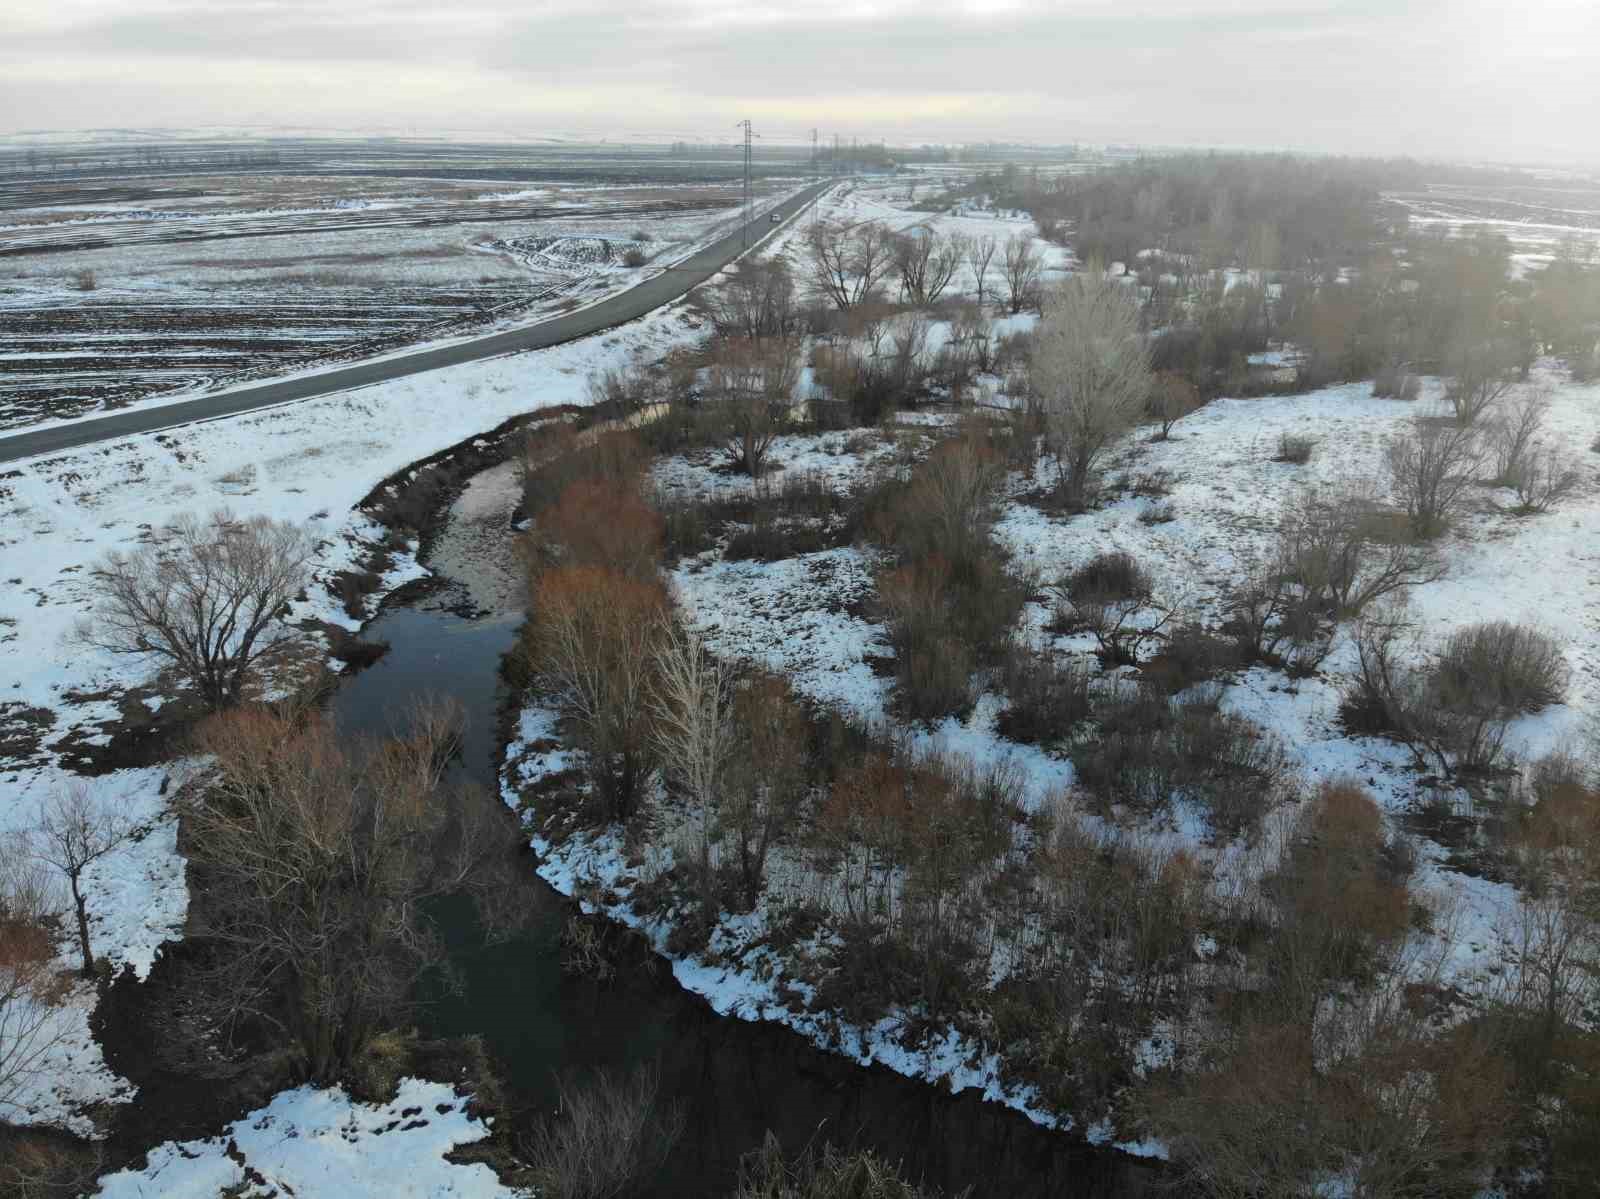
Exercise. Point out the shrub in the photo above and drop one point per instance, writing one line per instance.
(85, 280)
(1509, 667)
(606, 1139)
(621, 391)
(1545, 478)
(1340, 550)
(593, 524)
(1158, 514)
(1192, 655)
(1513, 435)
(1046, 699)
(633, 256)
(933, 661)
(1294, 448)
(1106, 596)
(1452, 707)
(831, 1174)
(553, 459)
(1172, 397)
(1430, 469)
(589, 644)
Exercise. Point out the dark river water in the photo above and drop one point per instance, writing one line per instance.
(734, 1080)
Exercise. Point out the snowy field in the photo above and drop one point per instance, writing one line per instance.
(104, 302)
(322, 1143)
(796, 616)
(309, 462)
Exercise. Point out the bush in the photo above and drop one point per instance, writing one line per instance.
(1430, 469)
(589, 644)
(633, 256)
(1046, 699)
(1295, 449)
(554, 458)
(831, 1174)
(1115, 575)
(1508, 667)
(1453, 707)
(594, 524)
(606, 1139)
(934, 662)
(85, 280)
(1394, 382)
(1106, 596)
(1545, 478)
(1192, 655)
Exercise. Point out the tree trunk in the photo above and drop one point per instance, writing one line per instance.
(83, 926)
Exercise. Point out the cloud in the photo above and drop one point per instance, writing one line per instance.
(1474, 77)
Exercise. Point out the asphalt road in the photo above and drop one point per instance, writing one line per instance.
(630, 305)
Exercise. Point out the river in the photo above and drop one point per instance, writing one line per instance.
(734, 1080)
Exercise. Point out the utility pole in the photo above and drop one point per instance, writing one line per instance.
(814, 175)
(835, 164)
(744, 239)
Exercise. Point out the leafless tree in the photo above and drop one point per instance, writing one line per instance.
(767, 777)
(76, 829)
(1481, 371)
(1090, 372)
(926, 263)
(1340, 547)
(29, 990)
(204, 599)
(692, 703)
(605, 1138)
(980, 256)
(1021, 266)
(318, 853)
(1546, 476)
(592, 650)
(625, 390)
(1171, 399)
(848, 262)
(1430, 469)
(756, 301)
(1513, 433)
(754, 384)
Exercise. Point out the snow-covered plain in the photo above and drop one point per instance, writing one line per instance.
(314, 1142)
(310, 463)
(1226, 492)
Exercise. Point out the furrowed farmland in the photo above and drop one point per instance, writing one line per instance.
(124, 278)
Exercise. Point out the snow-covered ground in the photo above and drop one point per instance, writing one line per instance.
(310, 463)
(1225, 496)
(312, 1142)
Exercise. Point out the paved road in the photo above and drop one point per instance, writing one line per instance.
(630, 305)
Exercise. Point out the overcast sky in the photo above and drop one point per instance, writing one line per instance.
(1506, 79)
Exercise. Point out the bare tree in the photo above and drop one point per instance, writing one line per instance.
(980, 256)
(767, 776)
(1430, 469)
(204, 599)
(754, 384)
(605, 1139)
(1090, 372)
(926, 263)
(29, 990)
(1021, 266)
(318, 853)
(756, 301)
(1171, 399)
(1481, 371)
(1339, 547)
(1513, 433)
(592, 649)
(692, 703)
(848, 262)
(76, 829)
(1545, 477)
